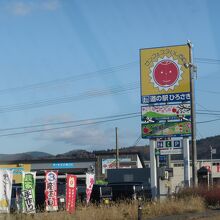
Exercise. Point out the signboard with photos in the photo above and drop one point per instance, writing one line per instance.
(179, 111)
(168, 129)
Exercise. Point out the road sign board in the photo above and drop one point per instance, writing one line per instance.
(162, 158)
(165, 76)
(166, 112)
(167, 129)
(169, 144)
(171, 151)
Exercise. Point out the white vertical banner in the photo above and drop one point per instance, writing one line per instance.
(5, 190)
(90, 180)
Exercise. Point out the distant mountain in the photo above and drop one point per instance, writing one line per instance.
(203, 147)
(76, 154)
(25, 156)
(203, 152)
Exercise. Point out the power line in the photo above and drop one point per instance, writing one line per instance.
(77, 121)
(102, 72)
(208, 121)
(70, 122)
(208, 91)
(207, 60)
(82, 96)
(70, 126)
(67, 99)
(137, 141)
(82, 123)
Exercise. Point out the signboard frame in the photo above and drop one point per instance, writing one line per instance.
(158, 85)
(162, 130)
(166, 112)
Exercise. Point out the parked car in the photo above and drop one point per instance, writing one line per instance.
(129, 191)
(101, 194)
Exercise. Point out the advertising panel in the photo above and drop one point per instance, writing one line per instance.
(5, 190)
(90, 180)
(165, 74)
(17, 170)
(28, 192)
(110, 163)
(51, 190)
(168, 129)
(166, 112)
(71, 181)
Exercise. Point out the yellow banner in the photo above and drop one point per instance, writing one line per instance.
(165, 70)
(17, 170)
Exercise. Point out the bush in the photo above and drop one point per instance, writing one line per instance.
(211, 196)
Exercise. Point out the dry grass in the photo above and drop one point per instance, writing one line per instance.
(211, 196)
(174, 206)
(119, 211)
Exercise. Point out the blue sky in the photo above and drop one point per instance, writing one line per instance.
(55, 50)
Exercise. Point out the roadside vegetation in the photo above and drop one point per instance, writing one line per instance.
(120, 211)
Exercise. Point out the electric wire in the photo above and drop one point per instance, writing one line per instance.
(78, 77)
(69, 126)
(102, 72)
(137, 141)
(85, 95)
(91, 121)
(70, 122)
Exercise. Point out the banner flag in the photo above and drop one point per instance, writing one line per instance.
(90, 180)
(71, 184)
(28, 192)
(51, 190)
(6, 177)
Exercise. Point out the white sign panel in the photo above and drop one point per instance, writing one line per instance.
(171, 151)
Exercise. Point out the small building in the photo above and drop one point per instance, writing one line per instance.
(107, 160)
(78, 167)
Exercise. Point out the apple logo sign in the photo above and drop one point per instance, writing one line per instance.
(165, 73)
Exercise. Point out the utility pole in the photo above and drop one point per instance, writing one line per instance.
(193, 117)
(116, 145)
(211, 165)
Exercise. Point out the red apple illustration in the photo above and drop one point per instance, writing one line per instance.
(166, 73)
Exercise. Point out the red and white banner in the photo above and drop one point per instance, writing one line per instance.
(51, 190)
(90, 180)
(71, 181)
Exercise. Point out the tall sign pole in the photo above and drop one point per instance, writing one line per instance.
(117, 151)
(153, 170)
(193, 118)
(186, 162)
(166, 92)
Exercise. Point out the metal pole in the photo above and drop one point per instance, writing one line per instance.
(139, 211)
(117, 151)
(158, 178)
(211, 166)
(169, 166)
(193, 119)
(153, 169)
(186, 162)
